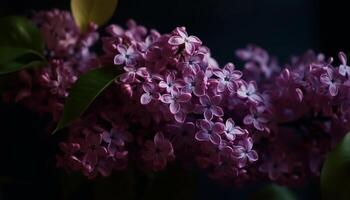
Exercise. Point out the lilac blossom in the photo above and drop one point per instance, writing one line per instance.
(243, 152)
(209, 107)
(231, 131)
(182, 38)
(175, 99)
(227, 77)
(248, 90)
(127, 55)
(209, 131)
(158, 152)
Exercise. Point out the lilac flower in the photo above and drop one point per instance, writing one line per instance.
(344, 69)
(330, 81)
(231, 131)
(150, 93)
(93, 149)
(182, 38)
(274, 168)
(227, 77)
(117, 136)
(243, 152)
(171, 84)
(209, 107)
(175, 99)
(127, 56)
(209, 131)
(158, 152)
(195, 83)
(249, 91)
(192, 64)
(257, 118)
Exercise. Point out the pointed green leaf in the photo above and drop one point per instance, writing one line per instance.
(84, 92)
(335, 175)
(13, 59)
(97, 11)
(21, 44)
(273, 192)
(21, 33)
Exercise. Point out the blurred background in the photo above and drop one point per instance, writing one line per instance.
(27, 163)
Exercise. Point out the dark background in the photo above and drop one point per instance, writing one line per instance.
(27, 166)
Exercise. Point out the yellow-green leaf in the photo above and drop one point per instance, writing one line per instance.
(97, 11)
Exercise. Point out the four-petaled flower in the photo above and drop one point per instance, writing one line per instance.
(227, 77)
(330, 81)
(170, 83)
(182, 38)
(195, 83)
(151, 92)
(158, 152)
(209, 107)
(249, 91)
(174, 99)
(231, 131)
(257, 118)
(243, 152)
(127, 55)
(209, 131)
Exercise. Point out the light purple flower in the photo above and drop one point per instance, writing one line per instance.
(243, 152)
(231, 131)
(127, 55)
(257, 118)
(330, 81)
(170, 83)
(275, 168)
(209, 131)
(192, 64)
(158, 152)
(195, 83)
(227, 77)
(249, 91)
(344, 69)
(209, 107)
(117, 136)
(175, 99)
(182, 38)
(151, 93)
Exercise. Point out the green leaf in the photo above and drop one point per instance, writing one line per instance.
(13, 59)
(97, 11)
(84, 92)
(273, 192)
(335, 175)
(21, 44)
(21, 33)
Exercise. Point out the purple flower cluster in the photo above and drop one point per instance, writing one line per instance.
(175, 101)
(67, 52)
(308, 102)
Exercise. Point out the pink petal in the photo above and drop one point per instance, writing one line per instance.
(195, 40)
(208, 115)
(158, 139)
(119, 59)
(145, 99)
(252, 156)
(174, 107)
(166, 98)
(248, 120)
(217, 111)
(176, 40)
(202, 136)
(215, 138)
(184, 97)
